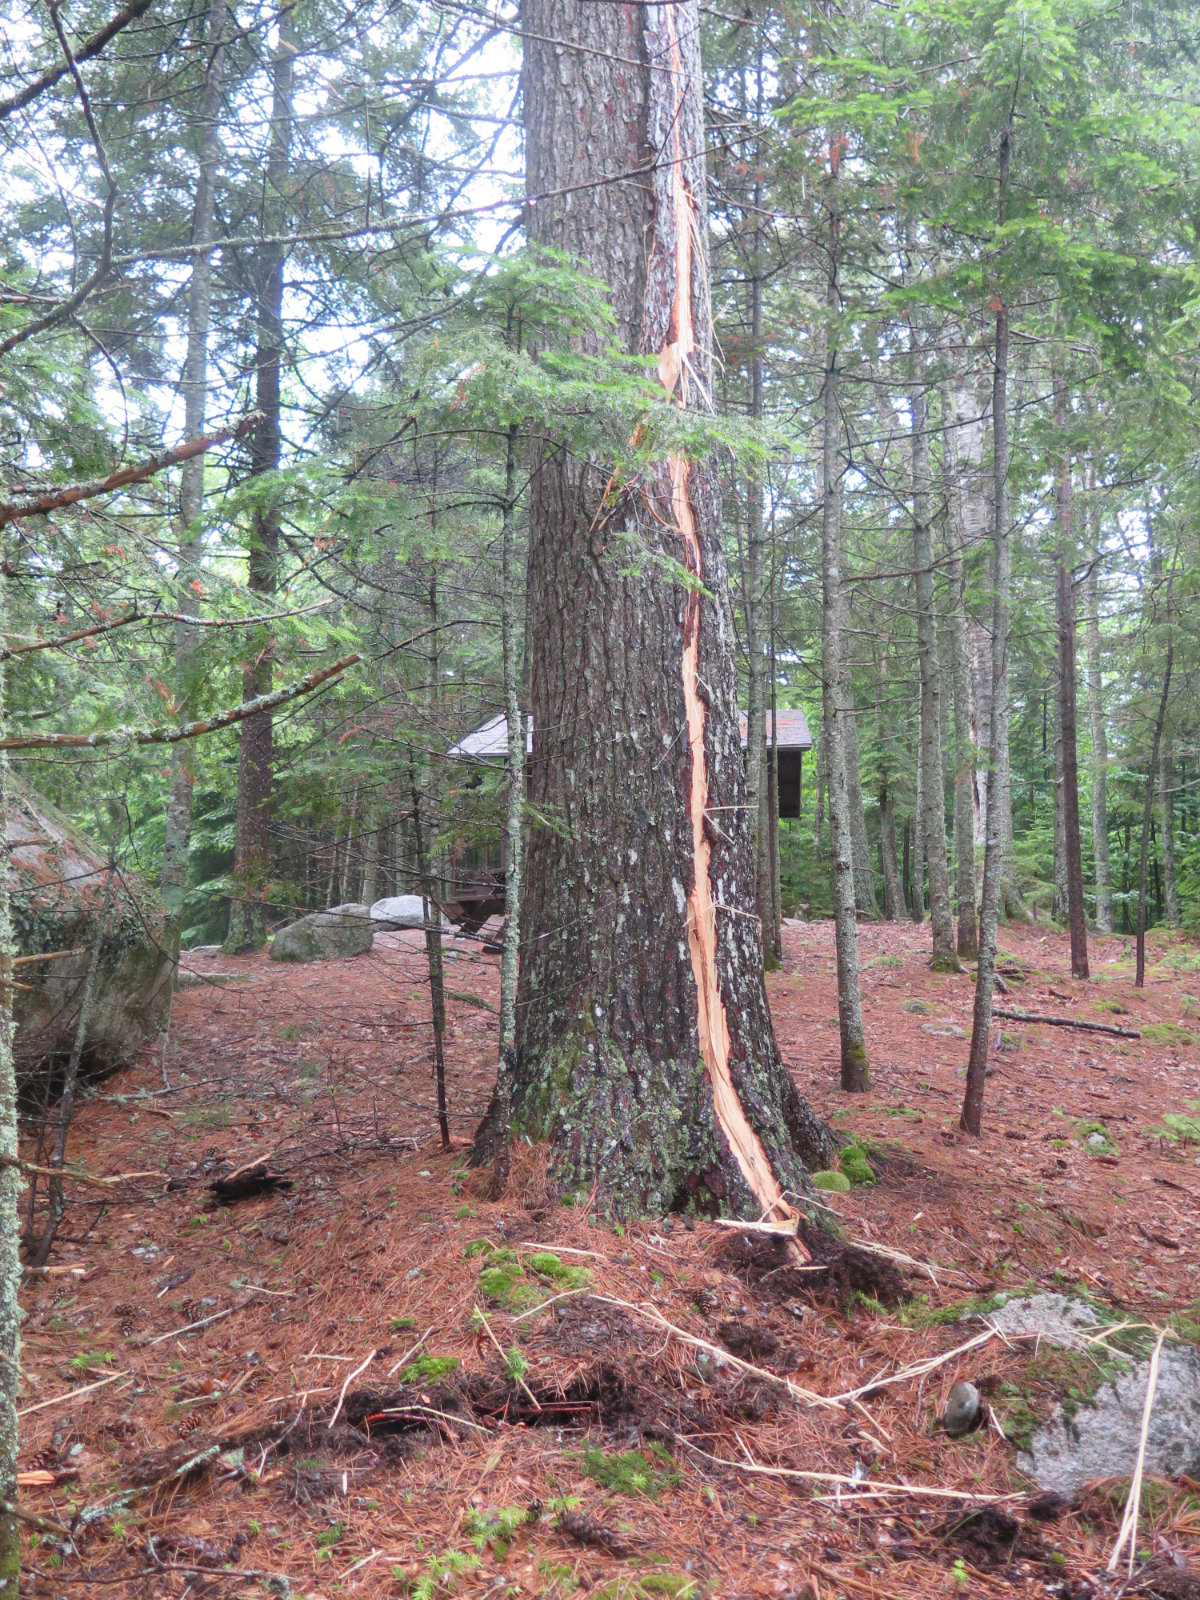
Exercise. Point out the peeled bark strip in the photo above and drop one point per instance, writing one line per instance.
(644, 1048)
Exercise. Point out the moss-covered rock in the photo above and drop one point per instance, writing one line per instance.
(836, 1181)
(58, 889)
(856, 1167)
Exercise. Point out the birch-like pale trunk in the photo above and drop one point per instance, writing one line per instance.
(929, 755)
(178, 837)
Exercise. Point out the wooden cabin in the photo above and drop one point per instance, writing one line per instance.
(476, 889)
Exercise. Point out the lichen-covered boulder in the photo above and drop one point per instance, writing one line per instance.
(57, 883)
(326, 935)
(400, 911)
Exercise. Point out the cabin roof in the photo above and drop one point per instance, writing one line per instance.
(490, 739)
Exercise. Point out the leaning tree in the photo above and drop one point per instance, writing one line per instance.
(644, 1048)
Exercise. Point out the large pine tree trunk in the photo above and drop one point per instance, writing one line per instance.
(645, 1053)
(256, 760)
(177, 841)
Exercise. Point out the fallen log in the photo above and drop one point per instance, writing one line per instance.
(1067, 1022)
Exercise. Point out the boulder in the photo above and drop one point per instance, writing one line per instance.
(1100, 1439)
(325, 935)
(58, 880)
(400, 911)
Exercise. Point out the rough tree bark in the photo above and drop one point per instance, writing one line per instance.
(645, 1053)
(1067, 719)
(10, 1190)
(929, 755)
(893, 894)
(178, 837)
(513, 654)
(256, 760)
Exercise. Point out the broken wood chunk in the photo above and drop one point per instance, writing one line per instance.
(253, 1178)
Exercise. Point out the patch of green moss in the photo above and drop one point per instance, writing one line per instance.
(919, 1008)
(836, 1181)
(856, 1167)
(428, 1369)
(1085, 1134)
(1168, 1033)
(545, 1265)
(918, 1313)
(886, 963)
(651, 1586)
(503, 1287)
(630, 1471)
(477, 1247)
(1110, 1006)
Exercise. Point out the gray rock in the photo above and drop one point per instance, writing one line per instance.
(1101, 1439)
(962, 1409)
(400, 911)
(326, 935)
(1057, 1318)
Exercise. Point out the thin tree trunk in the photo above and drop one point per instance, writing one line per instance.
(917, 865)
(855, 1073)
(256, 760)
(373, 826)
(1095, 688)
(985, 981)
(819, 798)
(10, 1186)
(774, 945)
(929, 755)
(177, 840)
(964, 839)
(644, 1055)
(893, 900)
(1067, 711)
(1147, 809)
(1059, 898)
(511, 629)
(860, 847)
(1166, 769)
(433, 944)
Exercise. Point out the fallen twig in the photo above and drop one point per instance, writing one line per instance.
(72, 1394)
(804, 1396)
(1129, 1522)
(406, 1357)
(203, 1323)
(487, 1328)
(863, 1487)
(350, 1377)
(1067, 1022)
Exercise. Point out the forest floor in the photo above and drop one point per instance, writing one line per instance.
(562, 1439)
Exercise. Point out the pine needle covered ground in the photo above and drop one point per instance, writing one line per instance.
(398, 1387)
